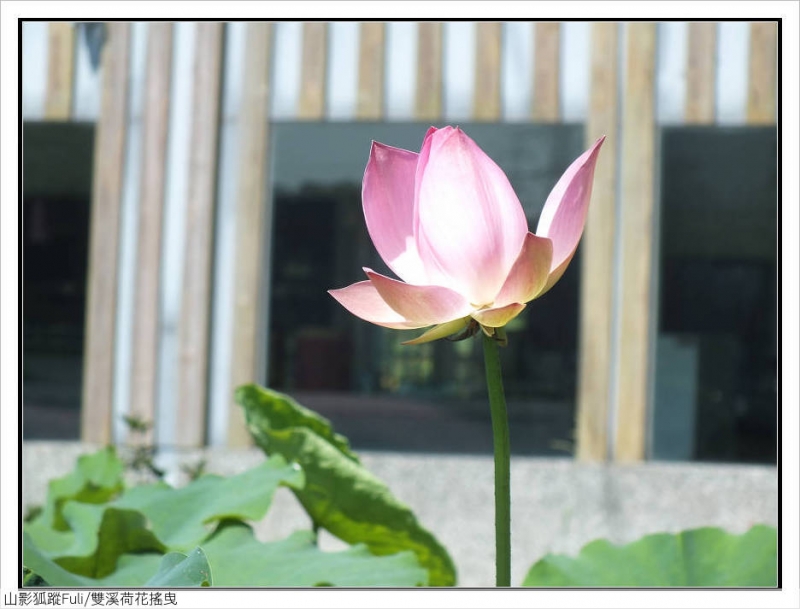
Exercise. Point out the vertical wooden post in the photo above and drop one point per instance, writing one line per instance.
(638, 208)
(312, 79)
(761, 90)
(700, 69)
(151, 217)
(61, 53)
(370, 71)
(428, 104)
(597, 256)
(486, 106)
(101, 300)
(196, 299)
(546, 99)
(253, 207)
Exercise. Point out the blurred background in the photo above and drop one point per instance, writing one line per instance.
(191, 190)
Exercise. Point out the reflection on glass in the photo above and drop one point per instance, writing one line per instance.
(716, 383)
(382, 394)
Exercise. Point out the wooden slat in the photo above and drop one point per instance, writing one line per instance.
(196, 296)
(312, 78)
(151, 211)
(252, 206)
(486, 105)
(428, 99)
(546, 100)
(101, 300)
(638, 203)
(371, 71)
(597, 252)
(61, 52)
(700, 65)
(761, 90)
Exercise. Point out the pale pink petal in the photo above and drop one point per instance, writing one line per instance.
(437, 332)
(433, 269)
(529, 273)
(422, 160)
(564, 213)
(498, 317)
(387, 197)
(425, 305)
(363, 300)
(471, 224)
(556, 274)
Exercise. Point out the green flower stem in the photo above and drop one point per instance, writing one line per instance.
(502, 460)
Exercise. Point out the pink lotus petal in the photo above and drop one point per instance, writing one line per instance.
(437, 332)
(564, 213)
(432, 268)
(387, 196)
(556, 274)
(529, 273)
(498, 317)
(425, 305)
(471, 224)
(363, 300)
(424, 155)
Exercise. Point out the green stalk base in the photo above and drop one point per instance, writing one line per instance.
(502, 461)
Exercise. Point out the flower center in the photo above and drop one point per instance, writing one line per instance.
(482, 307)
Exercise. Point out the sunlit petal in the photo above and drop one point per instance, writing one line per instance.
(471, 224)
(529, 274)
(363, 300)
(387, 196)
(498, 317)
(564, 213)
(426, 305)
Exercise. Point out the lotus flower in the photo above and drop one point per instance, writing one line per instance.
(449, 224)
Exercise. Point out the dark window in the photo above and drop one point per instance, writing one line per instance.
(379, 393)
(716, 371)
(57, 167)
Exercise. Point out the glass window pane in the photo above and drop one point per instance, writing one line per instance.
(57, 162)
(716, 371)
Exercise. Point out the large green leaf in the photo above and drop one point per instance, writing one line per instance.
(157, 517)
(98, 536)
(147, 569)
(267, 409)
(40, 564)
(77, 529)
(340, 495)
(96, 479)
(238, 559)
(182, 517)
(707, 557)
(179, 571)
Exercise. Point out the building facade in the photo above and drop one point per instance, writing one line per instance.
(194, 190)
